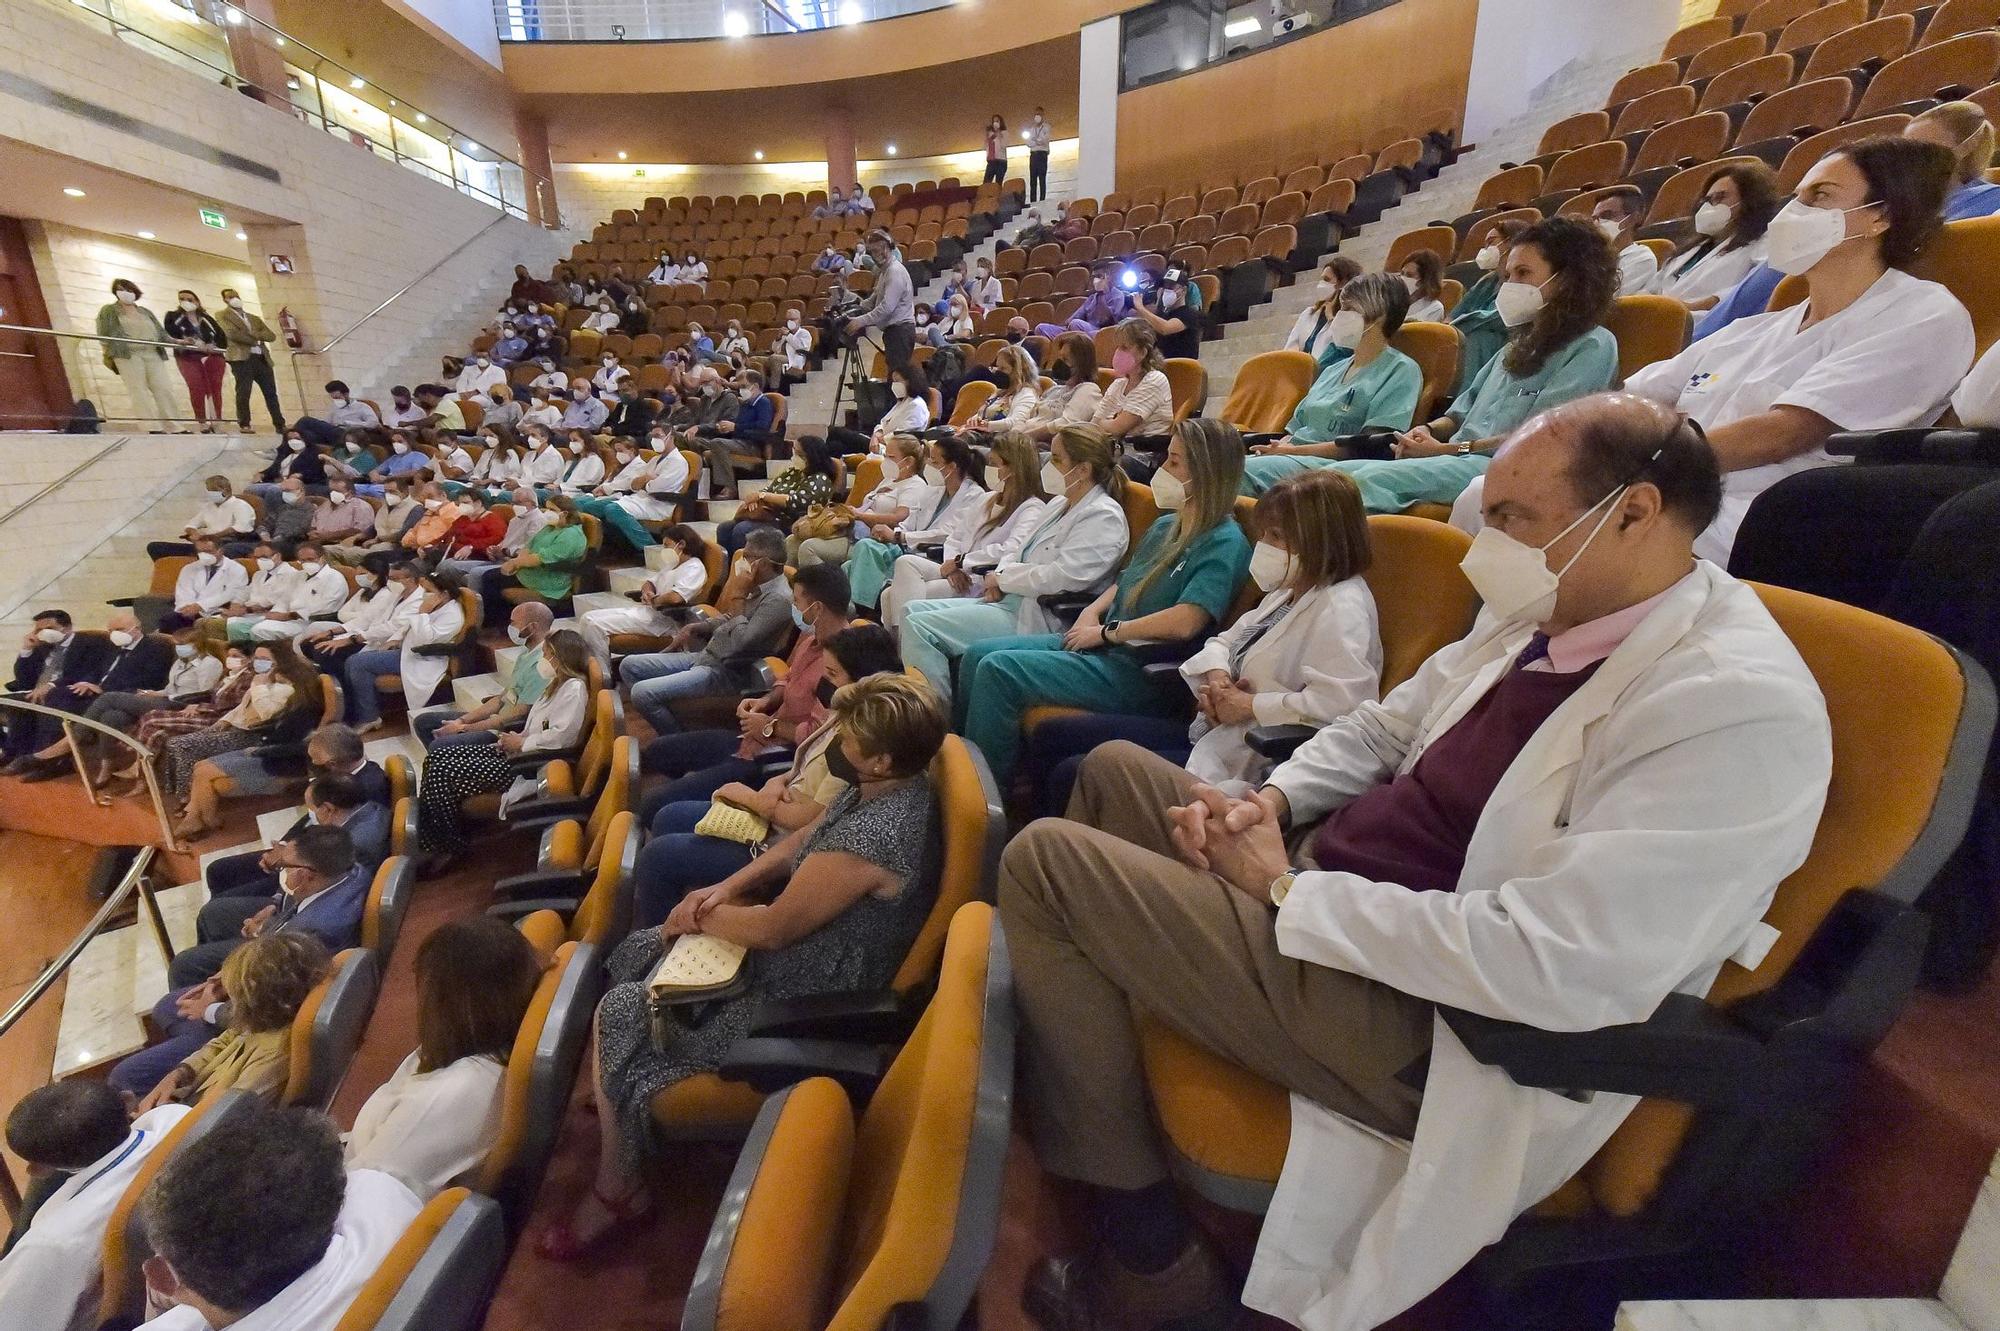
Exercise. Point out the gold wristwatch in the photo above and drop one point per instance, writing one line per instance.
(1281, 886)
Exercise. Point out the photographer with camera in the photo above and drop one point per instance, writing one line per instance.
(891, 306)
(1172, 305)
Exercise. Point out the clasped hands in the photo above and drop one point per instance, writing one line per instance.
(1241, 841)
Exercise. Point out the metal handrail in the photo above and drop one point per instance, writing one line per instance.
(134, 880)
(70, 721)
(97, 337)
(398, 293)
(235, 16)
(62, 480)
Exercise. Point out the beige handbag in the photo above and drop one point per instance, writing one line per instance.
(696, 974)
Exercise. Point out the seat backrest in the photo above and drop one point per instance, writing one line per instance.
(167, 571)
(971, 827)
(541, 1070)
(1681, 193)
(606, 909)
(1574, 132)
(122, 1294)
(1882, 40)
(1896, 807)
(328, 1028)
(1753, 78)
(388, 902)
(1819, 104)
(329, 700)
(1817, 25)
(1586, 168)
(1422, 600)
(1648, 329)
(1476, 236)
(1807, 152)
(1697, 138)
(1188, 378)
(1510, 188)
(438, 1276)
(923, 1202)
(1439, 240)
(1437, 349)
(1653, 110)
(1772, 16)
(972, 395)
(1955, 17)
(867, 475)
(403, 826)
(1638, 82)
(402, 779)
(1968, 61)
(1727, 54)
(1268, 389)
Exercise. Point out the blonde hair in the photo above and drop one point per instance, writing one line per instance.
(1094, 449)
(1024, 478)
(268, 978)
(1971, 133)
(1214, 454)
(894, 716)
(905, 446)
(1018, 366)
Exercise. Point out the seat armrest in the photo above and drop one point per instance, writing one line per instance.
(1974, 447)
(515, 911)
(1277, 742)
(539, 813)
(1066, 606)
(540, 882)
(1162, 669)
(933, 552)
(437, 649)
(868, 1017)
(773, 1064)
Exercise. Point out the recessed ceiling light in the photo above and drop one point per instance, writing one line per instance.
(145, 235)
(292, 83)
(357, 82)
(234, 14)
(243, 235)
(72, 191)
(892, 150)
(759, 154)
(621, 155)
(472, 147)
(735, 24)
(850, 12)
(279, 40)
(423, 119)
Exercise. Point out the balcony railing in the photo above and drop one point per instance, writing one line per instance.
(216, 40)
(680, 20)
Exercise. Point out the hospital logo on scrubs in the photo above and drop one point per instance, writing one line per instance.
(1697, 382)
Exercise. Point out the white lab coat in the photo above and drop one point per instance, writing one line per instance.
(626, 477)
(980, 547)
(422, 674)
(583, 474)
(542, 466)
(1631, 848)
(912, 494)
(1637, 267)
(268, 586)
(1314, 666)
(373, 1216)
(315, 597)
(1071, 550)
(1685, 277)
(654, 503)
(211, 588)
(473, 381)
(942, 518)
(555, 720)
(51, 1278)
(381, 617)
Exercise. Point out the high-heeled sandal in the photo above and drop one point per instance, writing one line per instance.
(559, 1243)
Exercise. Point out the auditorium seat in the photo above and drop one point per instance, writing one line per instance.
(440, 1274)
(328, 1029)
(388, 902)
(586, 886)
(1268, 388)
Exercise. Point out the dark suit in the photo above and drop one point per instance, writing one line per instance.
(87, 658)
(631, 419)
(242, 875)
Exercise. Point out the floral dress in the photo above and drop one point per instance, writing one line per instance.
(859, 949)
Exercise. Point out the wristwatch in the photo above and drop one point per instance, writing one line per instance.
(1281, 886)
(1464, 449)
(1105, 630)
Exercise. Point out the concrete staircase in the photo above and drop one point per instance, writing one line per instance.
(1579, 86)
(450, 333)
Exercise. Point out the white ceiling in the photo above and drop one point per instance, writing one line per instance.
(113, 203)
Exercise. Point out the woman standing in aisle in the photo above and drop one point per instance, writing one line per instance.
(200, 359)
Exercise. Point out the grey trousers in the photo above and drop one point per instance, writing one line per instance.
(1101, 919)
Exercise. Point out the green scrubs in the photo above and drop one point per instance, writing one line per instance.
(1482, 329)
(1003, 677)
(1383, 394)
(553, 546)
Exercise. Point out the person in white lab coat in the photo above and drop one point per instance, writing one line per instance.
(1736, 205)
(1076, 547)
(421, 660)
(431, 1124)
(74, 1134)
(982, 537)
(478, 375)
(1581, 807)
(315, 594)
(1870, 348)
(659, 607)
(207, 584)
(1617, 214)
(256, 1227)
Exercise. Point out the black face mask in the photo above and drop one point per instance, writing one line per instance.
(1013, 337)
(838, 765)
(1059, 373)
(824, 692)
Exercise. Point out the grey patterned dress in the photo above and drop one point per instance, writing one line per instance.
(859, 949)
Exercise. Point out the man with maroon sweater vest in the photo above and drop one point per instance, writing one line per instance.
(1581, 807)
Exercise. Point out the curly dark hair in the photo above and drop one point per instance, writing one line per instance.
(1577, 297)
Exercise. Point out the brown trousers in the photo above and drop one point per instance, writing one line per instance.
(1101, 918)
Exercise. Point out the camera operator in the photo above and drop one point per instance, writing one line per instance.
(1173, 306)
(891, 306)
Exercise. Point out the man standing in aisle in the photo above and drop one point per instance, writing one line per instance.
(249, 357)
(891, 306)
(1038, 157)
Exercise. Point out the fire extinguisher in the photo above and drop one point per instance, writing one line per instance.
(289, 326)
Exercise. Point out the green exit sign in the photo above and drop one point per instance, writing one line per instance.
(213, 217)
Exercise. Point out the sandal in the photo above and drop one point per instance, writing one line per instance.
(559, 1243)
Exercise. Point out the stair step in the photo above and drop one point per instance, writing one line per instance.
(722, 510)
(656, 556)
(706, 530)
(623, 580)
(585, 602)
(749, 485)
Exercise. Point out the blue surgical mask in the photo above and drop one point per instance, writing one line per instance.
(799, 618)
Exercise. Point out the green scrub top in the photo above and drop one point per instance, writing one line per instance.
(1498, 400)
(1383, 393)
(553, 545)
(1482, 329)
(1207, 573)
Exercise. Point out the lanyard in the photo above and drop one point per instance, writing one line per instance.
(1243, 645)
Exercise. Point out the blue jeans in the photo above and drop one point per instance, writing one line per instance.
(424, 725)
(142, 1071)
(364, 704)
(657, 678)
(676, 862)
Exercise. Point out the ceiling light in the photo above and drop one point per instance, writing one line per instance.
(850, 12)
(72, 191)
(1242, 27)
(357, 82)
(892, 150)
(279, 40)
(734, 24)
(759, 154)
(292, 83)
(423, 119)
(233, 14)
(243, 235)
(621, 156)
(472, 147)
(392, 101)
(145, 235)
